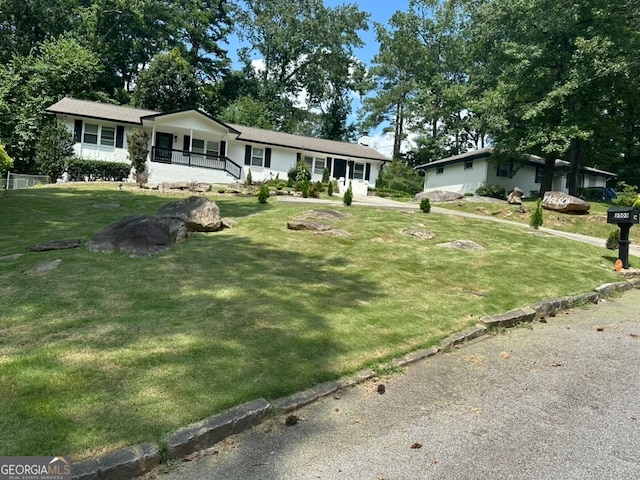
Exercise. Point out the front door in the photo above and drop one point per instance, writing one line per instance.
(164, 144)
(339, 168)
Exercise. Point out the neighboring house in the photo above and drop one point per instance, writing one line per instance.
(193, 146)
(466, 172)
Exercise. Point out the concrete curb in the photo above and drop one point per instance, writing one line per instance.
(134, 461)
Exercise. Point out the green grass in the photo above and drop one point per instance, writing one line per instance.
(594, 224)
(109, 351)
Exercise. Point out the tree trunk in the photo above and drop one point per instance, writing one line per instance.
(575, 159)
(547, 175)
(399, 127)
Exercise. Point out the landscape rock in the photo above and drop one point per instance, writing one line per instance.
(462, 245)
(199, 214)
(325, 214)
(141, 236)
(515, 197)
(564, 203)
(438, 196)
(199, 187)
(14, 256)
(333, 233)
(304, 225)
(54, 245)
(227, 222)
(420, 233)
(44, 267)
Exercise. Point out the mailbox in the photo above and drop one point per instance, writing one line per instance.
(625, 218)
(618, 215)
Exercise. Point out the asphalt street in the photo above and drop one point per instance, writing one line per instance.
(555, 400)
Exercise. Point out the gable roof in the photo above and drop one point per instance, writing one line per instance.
(99, 111)
(135, 116)
(488, 152)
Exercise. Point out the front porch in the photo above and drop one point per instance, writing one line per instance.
(193, 159)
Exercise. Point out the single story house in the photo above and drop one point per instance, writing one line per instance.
(193, 146)
(466, 172)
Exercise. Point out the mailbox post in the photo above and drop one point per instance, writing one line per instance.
(625, 218)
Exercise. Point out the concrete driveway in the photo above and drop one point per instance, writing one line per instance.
(559, 400)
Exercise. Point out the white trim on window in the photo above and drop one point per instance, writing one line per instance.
(257, 157)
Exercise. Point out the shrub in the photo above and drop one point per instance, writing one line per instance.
(613, 240)
(53, 149)
(493, 191)
(347, 198)
(304, 188)
(249, 177)
(138, 151)
(325, 176)
(6, 162)
(263, 194)
(628, 196)
(425, 205)
(536, 217)
(80, 169)
(399, 176)
(330, 189)
(315, 189)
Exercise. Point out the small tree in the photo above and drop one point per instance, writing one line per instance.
(138, 150)
(325, 176)
(6, 162)
(263, 194)
(425, 205)
(53, 150)
(249, 177)
(330, 189)
(536, 216)
(347, 198)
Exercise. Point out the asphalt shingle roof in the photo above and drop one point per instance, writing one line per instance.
(117, 113)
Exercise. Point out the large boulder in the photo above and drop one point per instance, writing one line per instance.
(564, 203)
(438, 196)
(515, 197)
(141, 236)
(199, 214)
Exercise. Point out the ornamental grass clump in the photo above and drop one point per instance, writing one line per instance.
(263, 194)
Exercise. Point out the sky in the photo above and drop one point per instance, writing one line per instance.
(380, 11)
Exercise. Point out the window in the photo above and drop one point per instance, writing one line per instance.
(90, 133)
(315, 165)
(358, 171)
(539, 173)
(257, 157)
(505, 170)
(308, 161)
(468, 165)
(213, 148)
(439, 170)
(108, 136)
(318, 167)
(197, 146)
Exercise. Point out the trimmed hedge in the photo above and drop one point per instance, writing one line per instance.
(79, 169)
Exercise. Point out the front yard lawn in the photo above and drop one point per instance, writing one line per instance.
(108, 351)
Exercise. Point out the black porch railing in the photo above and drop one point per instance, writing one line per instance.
(192, 159)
